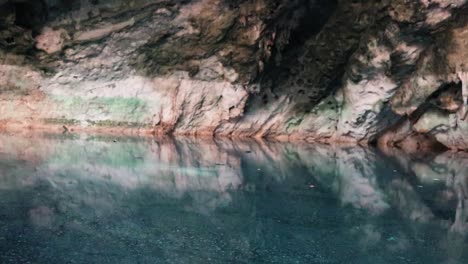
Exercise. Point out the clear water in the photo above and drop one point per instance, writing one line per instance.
(106, 200)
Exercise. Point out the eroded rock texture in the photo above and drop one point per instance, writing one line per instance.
(393, 72)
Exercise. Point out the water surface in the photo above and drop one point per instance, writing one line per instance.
(80, 199)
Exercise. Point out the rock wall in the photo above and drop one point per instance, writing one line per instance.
(390, 72)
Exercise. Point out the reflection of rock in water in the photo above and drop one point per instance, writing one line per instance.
(440, 183)
(352, 175)
(452, 170)
(176, 169)
(86, 180)
(206, 170)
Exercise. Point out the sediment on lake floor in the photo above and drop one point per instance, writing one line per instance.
(392, 73)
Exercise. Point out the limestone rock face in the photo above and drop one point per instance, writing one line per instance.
(350, 71)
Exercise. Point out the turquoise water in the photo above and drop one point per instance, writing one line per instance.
(121, 200)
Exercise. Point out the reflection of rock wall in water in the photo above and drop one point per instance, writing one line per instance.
(127, 165)
(351, 174)
(449, 171)
(209, 171)
(92, 179)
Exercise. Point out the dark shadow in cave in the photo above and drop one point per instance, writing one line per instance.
(31, 14)
(312, 15)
